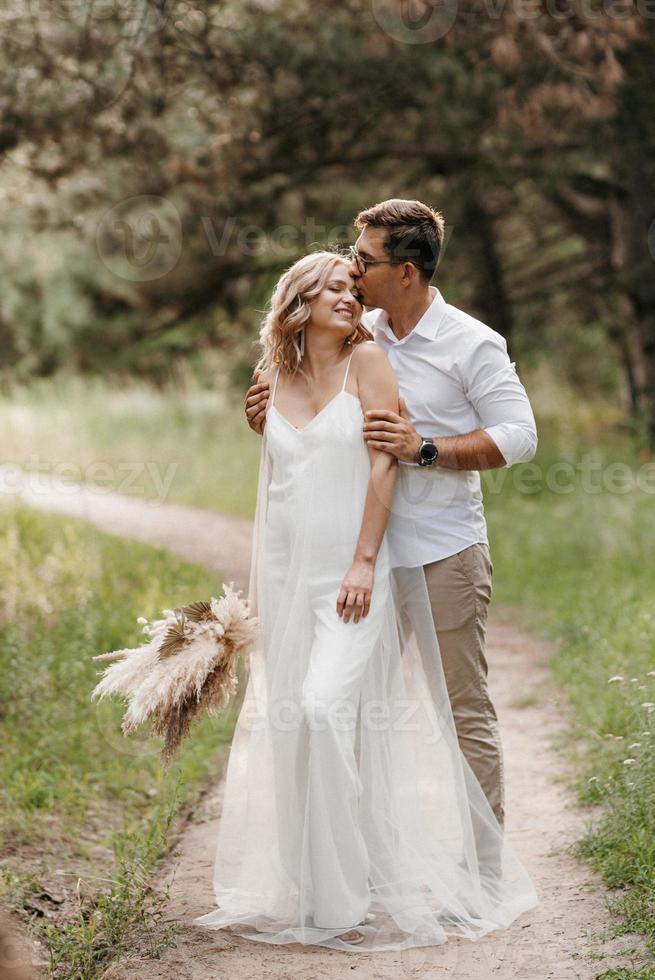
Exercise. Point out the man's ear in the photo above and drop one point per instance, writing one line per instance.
(409, 273)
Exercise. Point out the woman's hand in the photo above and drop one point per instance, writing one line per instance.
(355, 594)
(255, 404)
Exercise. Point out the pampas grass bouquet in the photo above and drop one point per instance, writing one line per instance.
(187, 666)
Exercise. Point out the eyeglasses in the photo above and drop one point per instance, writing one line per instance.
(362, 263)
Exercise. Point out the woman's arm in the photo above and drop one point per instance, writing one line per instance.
(377, 387)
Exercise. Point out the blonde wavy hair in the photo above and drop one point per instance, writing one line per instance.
(290, 311)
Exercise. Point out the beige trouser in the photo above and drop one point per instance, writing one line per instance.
(459, 588)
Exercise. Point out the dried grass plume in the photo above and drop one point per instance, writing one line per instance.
(188, 666)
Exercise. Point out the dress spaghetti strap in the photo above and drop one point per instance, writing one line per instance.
(275, 384)
(345, 378)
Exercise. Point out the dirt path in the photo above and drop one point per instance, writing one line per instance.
(201, 536)
(561, 939)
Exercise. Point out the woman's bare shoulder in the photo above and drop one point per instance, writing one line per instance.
(376, 380)
(369, 358)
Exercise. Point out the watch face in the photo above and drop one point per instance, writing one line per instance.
(428, 452)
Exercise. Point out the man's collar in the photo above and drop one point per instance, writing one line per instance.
(427, 326)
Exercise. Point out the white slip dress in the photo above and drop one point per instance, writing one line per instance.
(348, 802)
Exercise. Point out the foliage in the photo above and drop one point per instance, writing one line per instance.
(86, 813)
(573, 554)
(170, 159)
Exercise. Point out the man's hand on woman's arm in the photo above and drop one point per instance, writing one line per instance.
(507, 433)
(395, 434)
(255, 404)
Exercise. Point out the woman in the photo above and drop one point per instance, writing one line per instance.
(351, 819)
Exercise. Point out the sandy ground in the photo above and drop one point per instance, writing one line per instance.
(201, 536)
(561, 939)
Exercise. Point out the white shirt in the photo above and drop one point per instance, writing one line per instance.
(455, 376)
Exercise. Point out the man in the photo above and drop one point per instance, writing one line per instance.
(463, 409)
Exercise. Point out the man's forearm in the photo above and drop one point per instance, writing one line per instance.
(396, 435)
(473, 451)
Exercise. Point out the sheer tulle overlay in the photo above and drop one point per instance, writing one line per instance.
(348, 803)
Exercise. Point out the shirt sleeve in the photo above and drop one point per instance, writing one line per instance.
(494, 389)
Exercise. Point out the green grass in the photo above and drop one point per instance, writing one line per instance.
(86, 812)
(183, 444)
(572, 551)
(579, 568)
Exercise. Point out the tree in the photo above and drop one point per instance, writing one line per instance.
(261, 128)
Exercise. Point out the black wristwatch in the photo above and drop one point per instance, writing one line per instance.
(428, 453)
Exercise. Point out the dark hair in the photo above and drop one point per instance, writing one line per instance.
(415, 232)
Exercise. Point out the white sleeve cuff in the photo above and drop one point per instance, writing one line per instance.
(517, 441)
